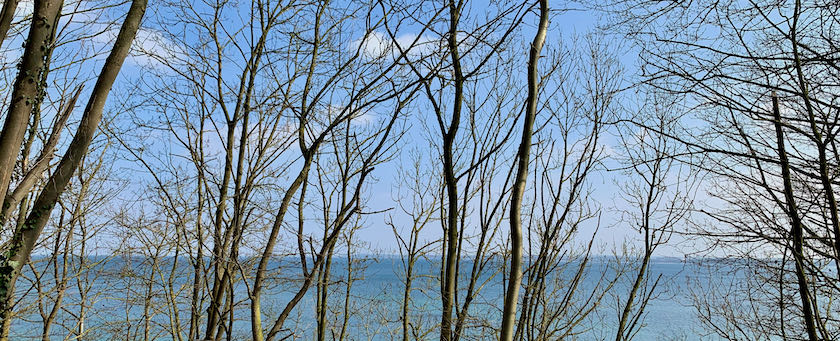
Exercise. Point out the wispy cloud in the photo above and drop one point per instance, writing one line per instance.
(150, 48)
(380, 45)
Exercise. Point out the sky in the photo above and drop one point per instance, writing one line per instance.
(570, 27)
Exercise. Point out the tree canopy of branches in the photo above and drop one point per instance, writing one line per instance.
(26, 98)
(755, 88)
(259, 163)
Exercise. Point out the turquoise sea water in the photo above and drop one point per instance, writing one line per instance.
(116, 290)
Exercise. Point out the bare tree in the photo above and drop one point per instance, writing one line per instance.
(774, 202)
(562, 219)
(419, 204)
(26, 91)
(660, 194)
(445, 73)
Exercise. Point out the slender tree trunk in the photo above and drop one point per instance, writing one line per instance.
(6, 16)
(409, 273)
(147, 302)
(450, 181)
(628, 305)
(323, 290)
(342, 335)
(217, 291)
(198, 265)
(523, 158)
(61, 280)
(796, 227)
(256, 314)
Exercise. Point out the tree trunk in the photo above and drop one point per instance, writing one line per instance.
(27, 234)
(523, 156)
(24, 94)
(796, 226)
(6, 16)
(451, 182)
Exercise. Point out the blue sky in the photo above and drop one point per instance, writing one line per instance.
(569, 30)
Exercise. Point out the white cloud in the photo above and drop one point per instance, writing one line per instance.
(363, 118)
(83, 18)
(375, 45)
(380, 45)
(149, 49)
(606, 149)
(360, 117)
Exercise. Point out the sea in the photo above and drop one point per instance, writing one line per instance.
(128, 298)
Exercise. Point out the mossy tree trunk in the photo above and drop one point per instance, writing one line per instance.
(25, 236)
